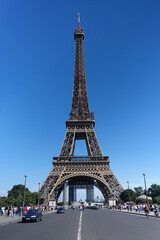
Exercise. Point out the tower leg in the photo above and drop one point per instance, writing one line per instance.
(72, 194)
(64, 194)
(90, 193)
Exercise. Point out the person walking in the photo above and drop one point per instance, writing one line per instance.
(155, 211)
(1, 211)
(146, 210)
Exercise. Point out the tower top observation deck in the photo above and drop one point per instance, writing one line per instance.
(79, 31)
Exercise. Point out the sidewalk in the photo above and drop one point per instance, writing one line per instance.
(6, 220)
(151, 214)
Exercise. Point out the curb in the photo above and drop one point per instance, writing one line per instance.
(6, 220)
(135, 213)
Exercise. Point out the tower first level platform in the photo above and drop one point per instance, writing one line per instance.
(80, 170)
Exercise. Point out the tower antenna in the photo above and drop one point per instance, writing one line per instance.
(78, 20)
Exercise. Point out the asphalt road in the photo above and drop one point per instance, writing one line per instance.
(112, 225)
(94, 225)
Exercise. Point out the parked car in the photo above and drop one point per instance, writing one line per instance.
(61, 210)
(32, 215)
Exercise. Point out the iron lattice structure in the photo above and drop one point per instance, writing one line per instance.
(68, 169)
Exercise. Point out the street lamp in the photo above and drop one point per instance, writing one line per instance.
(129, 193)
(38, 192)
(145, 188)
(24, 191)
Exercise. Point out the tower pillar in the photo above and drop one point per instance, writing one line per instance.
(90, 193)
(72, 194)
(64, 194)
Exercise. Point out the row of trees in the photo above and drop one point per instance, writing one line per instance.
(153, 191)
(16, 196)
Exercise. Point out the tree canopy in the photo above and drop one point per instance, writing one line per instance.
(16, 196)
(154, 192)
(139, 191)
(128, 195)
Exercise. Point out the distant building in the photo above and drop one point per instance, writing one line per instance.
(143, 197)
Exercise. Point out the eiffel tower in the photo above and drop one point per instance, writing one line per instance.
(80, 171)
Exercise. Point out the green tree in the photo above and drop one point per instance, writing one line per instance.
(16, 196)
(157, 200)
(128, 195)
(34, 198)
(3, 201)
(139, 191)
(154, 190)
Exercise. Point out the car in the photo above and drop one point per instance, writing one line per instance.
(32, 215)
(95, 208)
(61, 210)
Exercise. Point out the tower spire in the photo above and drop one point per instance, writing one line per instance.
(78, 20)
(80, 107)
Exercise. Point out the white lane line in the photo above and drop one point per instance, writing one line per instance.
(79, 227)
(4, 224)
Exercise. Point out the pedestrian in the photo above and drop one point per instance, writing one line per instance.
(19, 211)
(6, 210)
(1, 211)
(146, 210)
(9, 212)
(155, 211)
(135, 208)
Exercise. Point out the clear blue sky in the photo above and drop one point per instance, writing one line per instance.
(122, 62)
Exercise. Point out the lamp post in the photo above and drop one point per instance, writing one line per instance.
(24, 191)
(38, 192)
(129, 193)
(145, 187)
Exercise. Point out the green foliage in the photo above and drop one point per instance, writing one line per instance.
(34, 198)
(128, 195)
(157, 200)
(16, 196)
(3, 201)
(139, 191)
(103, 201)
(154, 190)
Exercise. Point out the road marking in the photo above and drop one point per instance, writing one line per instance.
(2, 224)
(79, 227)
